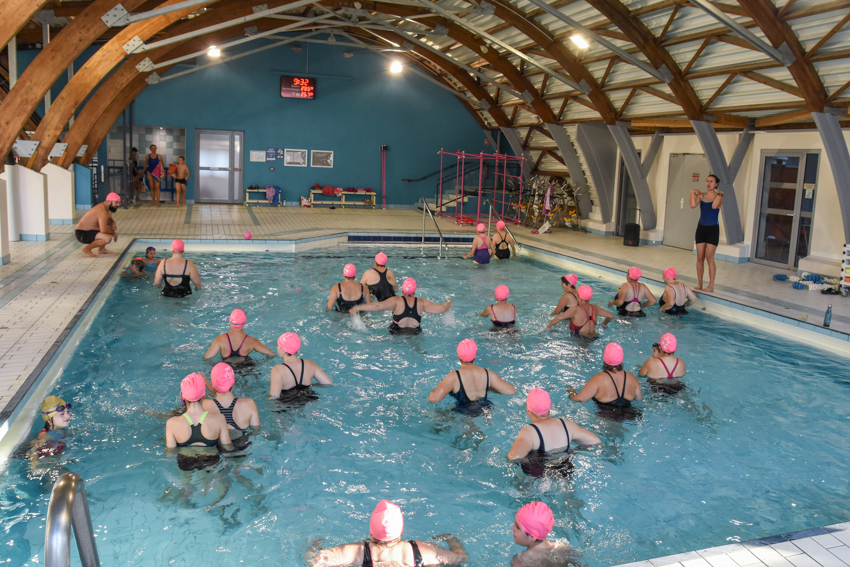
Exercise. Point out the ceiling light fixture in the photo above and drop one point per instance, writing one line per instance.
(214, 51)
(396, 67)
(580, 42)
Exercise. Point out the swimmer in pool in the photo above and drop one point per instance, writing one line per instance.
(385, 547)
(630, 299)
(664, 369)
(546, 433)
(46, 451)
(480, 251)
(570, 297)
(175, 273)
(532, 524)
(292, 378)
(379, 279)
(501, 313)
(196, 427)
(407, 309)
(136, 267)
(470, 385)
(239, 413)
(582, 316)
(677, 295)
(223, 344)
(500, 242)
(349, 293)
(613, 388)
(151, 263)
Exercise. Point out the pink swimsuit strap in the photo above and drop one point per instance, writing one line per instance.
(669, 372)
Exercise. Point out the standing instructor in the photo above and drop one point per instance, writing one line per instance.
(708, 230)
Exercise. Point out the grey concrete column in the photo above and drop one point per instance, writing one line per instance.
(635, 168)
(839, 162)
(513, 138)
(600, 154)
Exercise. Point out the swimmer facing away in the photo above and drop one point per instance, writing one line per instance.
(175, 273)
(500, 241)
(570, 297)
(677, 296)
(533, 522)
(196, 427)
(349, 293)
(379, 279)
(470, 388)
(501, 313)
(582, 316)
(386, 547)
(664, 369)
(613, 388)
(407, 309)
(239, 413)
(480, 251)
(223, 344)
(633, 296)
(294, 375)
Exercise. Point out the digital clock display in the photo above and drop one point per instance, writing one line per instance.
(297, 87)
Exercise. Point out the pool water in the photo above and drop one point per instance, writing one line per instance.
(755, 446)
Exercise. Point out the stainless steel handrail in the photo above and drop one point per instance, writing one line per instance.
(518, 245)
(426, 208)
(69, 509)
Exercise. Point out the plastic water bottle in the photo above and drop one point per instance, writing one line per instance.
(827, 318)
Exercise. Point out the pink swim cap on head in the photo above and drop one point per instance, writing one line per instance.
(613, 354)
(481, 227)
(668, 343)
(536, 519)
(500, 225)
(634, 273)
(538, 401)
(177, 245)
(502, 292)
(289, 342)
(113, 197)
(669, 273)
(222, 377)
(408, 286)
(238, 319)
(585, 292)
(381, 259)
(193, 388)
(466, 350)
(572, 279)
(386, 523)
(349, 271)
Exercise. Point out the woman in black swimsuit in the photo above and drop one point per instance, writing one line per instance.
(349, 293)
(570, 297)
(407, 309)
(500, 242)
(613, 389)
(176, 273)
(385, 546)
(677, 296)
(291, 380)
(196, 427)
(502, 314)
(240, 413)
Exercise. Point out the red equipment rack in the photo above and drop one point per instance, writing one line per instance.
(501, 175)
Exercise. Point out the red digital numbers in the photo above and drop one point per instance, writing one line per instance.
(297, 87)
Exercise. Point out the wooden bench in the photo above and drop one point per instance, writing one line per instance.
(350, 199)
(258, 197)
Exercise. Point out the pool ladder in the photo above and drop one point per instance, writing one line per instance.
(427, 210)
(69, 509)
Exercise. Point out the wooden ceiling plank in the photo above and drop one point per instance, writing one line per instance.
(772, 83)
(785, 8)
(607, 71)
(626, 102)
(716, 94)
(835, 29)
(785, 118)
(669, 23)
(838, 91)
(699, 51)
(660, 94)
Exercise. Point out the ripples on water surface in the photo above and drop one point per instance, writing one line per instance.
(756, 446)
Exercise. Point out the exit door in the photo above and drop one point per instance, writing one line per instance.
(687, 172)
(218, 154)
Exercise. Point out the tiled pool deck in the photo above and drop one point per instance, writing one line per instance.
(47, 286)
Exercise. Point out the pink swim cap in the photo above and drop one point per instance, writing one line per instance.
(349, 271)
(466, 350)
(613, 354)
(193, 387)
(585, 292)
(386, 523)
(668, 343)
(502, 292)
(536, 519)
(670, 273)
(538, 401)
(177, 245)
(222, 377)
(408, 286)
(500, 225)
(381, 259)
(113, 197)
(481, 227)
(634, 273)
(238, 319)
(289, 342)
(572, 279)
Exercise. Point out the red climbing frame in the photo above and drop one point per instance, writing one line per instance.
(501, 199)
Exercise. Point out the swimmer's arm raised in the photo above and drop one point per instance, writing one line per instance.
(586, 393)
(644, 370)
(568, 314)
(497, 384)
(621, 297)
(582, 436)
(522, 445)
(695, 198)
(436, 555)
(214, 349)
(600, 312)
(718, 200)
(442, 390)
(340, 556)
(486, 312)
(560, 307)
(650, 299)
(261, 348)
(431, 307)
(385, 305)
(319, 374)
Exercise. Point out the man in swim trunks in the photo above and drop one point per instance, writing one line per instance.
(547, 434)
(379, 279)
(531, 525)
(239, 413)
(345, 295)
(613, 387)
(97, 228)
(294, 375)
(631, 294)
(407, 309)
(502, 314)
(175, 273)
(196, 427)
(570, 297)
(181, 176)
(583, 315)
(224, 343)
(664, 366)
(385, 546)
(500, 241)
(677, 296)
(480, 251)
(470, 387)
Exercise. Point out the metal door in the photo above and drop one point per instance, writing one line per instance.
(218, 154)
(785, 207)
(687, 172)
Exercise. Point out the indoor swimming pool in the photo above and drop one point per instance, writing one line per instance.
(755, 445)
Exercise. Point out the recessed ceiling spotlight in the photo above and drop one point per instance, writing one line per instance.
(396, 67)
(214, 51)
(580, 42)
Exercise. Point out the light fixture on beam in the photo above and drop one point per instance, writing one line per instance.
(214, 51)
(579, 41)
(396, 67)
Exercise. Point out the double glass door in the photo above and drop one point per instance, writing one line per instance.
(219, 159)
(786, 207)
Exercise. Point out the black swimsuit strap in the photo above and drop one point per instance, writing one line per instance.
(540, 435)
(367, 555)
(487, 390)
(462, 389)
(417, 555)
(297, 383)
(615, 384)
(565, 431)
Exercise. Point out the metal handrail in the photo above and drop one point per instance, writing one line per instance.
(427, 209)
(69, 509)
(518, 245)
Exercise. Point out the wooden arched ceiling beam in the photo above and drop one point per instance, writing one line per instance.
(778, 31)
(14, 15)
(53, 60)
(92, 73)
